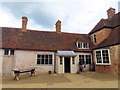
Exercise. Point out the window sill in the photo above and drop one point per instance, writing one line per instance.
(102, 64)
(44, 64)
(83, 48)
(8, 55)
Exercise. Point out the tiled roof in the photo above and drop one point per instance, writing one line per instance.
(107, 23)
(41, 40)
(113, 39)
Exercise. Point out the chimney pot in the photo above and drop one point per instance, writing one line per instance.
(110, 12)
(24, 23)
(58, 26)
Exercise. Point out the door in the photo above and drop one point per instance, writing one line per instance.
(67, 64)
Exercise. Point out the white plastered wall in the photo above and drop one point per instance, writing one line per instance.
(25, 59)
(1, 59)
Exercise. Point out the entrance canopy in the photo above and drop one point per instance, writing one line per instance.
(66, 53)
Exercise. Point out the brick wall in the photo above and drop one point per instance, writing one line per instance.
(114, 55)
(101, 35)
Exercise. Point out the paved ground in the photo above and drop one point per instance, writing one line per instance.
(83, 80)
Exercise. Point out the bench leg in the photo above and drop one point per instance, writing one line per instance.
(33, 72)
(17, 76)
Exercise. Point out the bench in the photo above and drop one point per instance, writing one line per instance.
(17, 72)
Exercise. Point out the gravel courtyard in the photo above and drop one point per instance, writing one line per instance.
(83, 80)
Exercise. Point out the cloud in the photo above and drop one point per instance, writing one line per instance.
(77, 16)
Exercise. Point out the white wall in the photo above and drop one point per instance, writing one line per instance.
(25, 59)
(59, 68)
(73, 66)
(1, 59)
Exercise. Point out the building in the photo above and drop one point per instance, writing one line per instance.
(61, 52)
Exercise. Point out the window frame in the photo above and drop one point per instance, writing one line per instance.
(94, 38)
(10, 52)
(42, 59)
(61, 60)
(102, 57)
(73, 60)
(85, 59)
(80, 45)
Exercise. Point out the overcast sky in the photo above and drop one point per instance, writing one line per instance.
(77, 16)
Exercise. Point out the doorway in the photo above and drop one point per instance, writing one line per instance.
(67, 64)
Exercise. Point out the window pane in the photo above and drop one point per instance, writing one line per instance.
(79, 45)
(11, 52)
(42, 60)
(73, 60)
(105, 56)
(6, 52)
(46, 59)
(81, 59)
(38, 61)
(60, 60)
(50, 61)
(39, 56)
(98, 56)
(88, 59)
(50, 56)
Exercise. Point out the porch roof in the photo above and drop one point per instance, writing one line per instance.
(66, 53)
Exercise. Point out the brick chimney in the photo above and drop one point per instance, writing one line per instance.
(24, 23)
(58, 26)
(110, 12)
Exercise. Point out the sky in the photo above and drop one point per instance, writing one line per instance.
(77, 16)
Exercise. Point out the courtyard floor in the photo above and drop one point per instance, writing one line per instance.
(82, 80)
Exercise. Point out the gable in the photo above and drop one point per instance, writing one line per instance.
(113, 39)
(107, 23)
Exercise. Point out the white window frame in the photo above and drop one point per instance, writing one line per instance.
(44, 59)
(102, 57)
(85, 58)
(83, 45)
(61, 60)
(9, 52)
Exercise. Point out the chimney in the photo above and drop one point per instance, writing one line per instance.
(24, 23)
(58, 26)
(110, 12)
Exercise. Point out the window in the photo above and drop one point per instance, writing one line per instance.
(94, 38)
(88, 59)
(82, 45)
(44, 59)
(50, 59)
(98, 56)
(102, 56)
(85, 59)
(60, 60)
(73, 60)
(105, 56)
(85, 45)
(8, 52)
(81, 59)
(79, 45)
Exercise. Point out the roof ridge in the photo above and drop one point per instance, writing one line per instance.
(32, 30)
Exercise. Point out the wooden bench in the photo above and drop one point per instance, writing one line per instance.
(17, 72)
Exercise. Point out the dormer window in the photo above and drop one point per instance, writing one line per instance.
(79, 45)
(83, 45)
